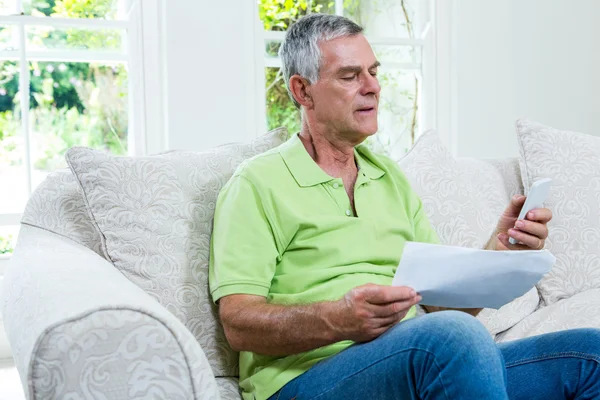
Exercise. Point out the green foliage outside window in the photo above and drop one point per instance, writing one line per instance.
(7, 244)
(71, 103)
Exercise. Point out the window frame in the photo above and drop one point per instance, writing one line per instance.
(142, 50)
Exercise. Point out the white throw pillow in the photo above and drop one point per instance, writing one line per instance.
(572, 161)
(464, 199)
(154, 215)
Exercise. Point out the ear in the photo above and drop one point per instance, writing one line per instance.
(300, 89)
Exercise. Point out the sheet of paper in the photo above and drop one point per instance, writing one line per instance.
(460, 277)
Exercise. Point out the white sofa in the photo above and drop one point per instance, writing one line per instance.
(83, 319)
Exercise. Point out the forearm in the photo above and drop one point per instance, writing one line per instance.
(281, 330)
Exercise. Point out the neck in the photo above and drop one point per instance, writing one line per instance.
(331, 152)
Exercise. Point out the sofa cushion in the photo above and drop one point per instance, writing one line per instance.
(154, 215)
(572, 161)
(57, 206)
(579, 311)
(463, 199)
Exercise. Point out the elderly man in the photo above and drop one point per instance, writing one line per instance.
(306, 241)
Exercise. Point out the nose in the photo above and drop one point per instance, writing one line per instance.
(370, 85)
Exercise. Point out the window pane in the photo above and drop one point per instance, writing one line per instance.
(280, 109)
(103, 9)
(13, 173)
(398, 112)
(8, 238)
(75, 104)
(398, 54)
(278, 15)
(389, 18)
(46, 38)
(272, 48)
(8, 38)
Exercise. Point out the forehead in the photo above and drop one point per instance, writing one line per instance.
(345, 51)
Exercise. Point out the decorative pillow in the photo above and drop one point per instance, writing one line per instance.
(572, 161)
(463, 199)
(154, 215)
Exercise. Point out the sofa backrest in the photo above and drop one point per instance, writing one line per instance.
(463, 197)
(57, 206)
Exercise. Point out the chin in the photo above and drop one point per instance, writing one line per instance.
(369, 130)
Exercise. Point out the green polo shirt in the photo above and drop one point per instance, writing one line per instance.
(285, 230)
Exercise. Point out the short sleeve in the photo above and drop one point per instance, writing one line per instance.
(243, 253)
(424, 232)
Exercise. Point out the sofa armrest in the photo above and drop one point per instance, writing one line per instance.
(78, 328)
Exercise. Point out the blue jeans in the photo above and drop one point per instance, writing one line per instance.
(450, 355)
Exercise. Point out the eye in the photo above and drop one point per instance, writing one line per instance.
(348, 78)
(374, 73)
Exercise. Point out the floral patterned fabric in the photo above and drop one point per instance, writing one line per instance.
(572, 161)
(57, 206)
(463, 199)
(154, 215)
(578, 311)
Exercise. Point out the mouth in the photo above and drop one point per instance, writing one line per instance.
(366, 110)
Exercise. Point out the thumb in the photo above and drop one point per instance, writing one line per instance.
(515, 205)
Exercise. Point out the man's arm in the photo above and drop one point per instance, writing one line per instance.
(364, 313)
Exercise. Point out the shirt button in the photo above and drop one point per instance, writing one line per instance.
(336, 185)
(348, 212)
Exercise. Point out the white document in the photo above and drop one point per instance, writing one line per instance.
(459, 277)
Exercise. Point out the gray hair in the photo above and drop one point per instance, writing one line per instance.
(300, 53)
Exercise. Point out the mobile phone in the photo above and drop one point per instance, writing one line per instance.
(535, 199)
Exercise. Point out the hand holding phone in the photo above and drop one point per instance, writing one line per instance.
(535, 199)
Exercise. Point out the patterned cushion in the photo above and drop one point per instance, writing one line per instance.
(572, 161)
(229, 388)
(579, 311)
(57, 206)
(155, 217)
(463, 199)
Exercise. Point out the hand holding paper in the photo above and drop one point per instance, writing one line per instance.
(459, 277)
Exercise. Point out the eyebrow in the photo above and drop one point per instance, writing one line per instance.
(356, 68)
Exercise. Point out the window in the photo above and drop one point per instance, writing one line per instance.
(65, 80)
(401, 36)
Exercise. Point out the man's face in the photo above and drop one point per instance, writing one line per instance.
(346, 96)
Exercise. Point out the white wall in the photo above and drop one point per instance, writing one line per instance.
(210, 85)
(514, 58)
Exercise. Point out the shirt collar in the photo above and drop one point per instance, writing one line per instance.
(307, 172)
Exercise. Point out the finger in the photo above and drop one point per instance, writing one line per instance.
(386, 310)
(534, 243)
(390, 320)
(518, 200)
(542, 215)
(503, 238)
(533, 228)
(377, 294)
(515, 206)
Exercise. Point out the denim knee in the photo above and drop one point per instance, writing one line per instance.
(458, 330)
(461, 349)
